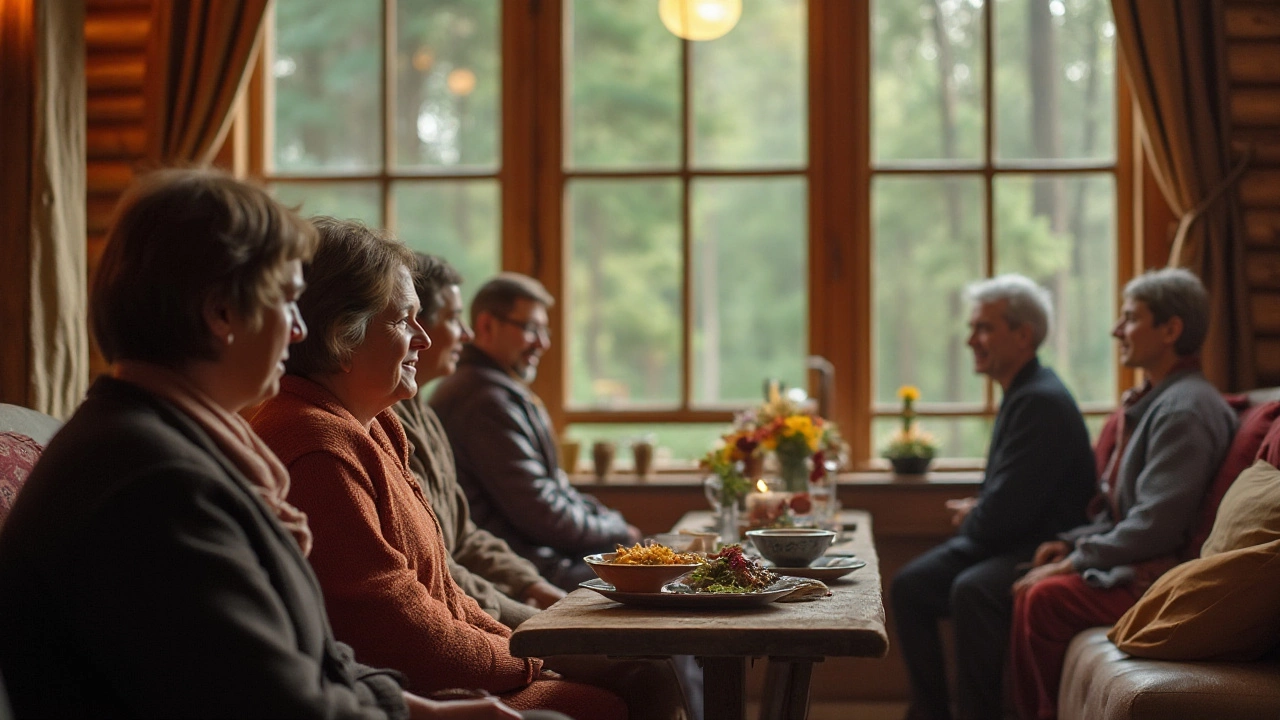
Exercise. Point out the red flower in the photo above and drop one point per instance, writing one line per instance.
(819, 470)
(800, 504)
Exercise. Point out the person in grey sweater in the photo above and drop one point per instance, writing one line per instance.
(1172, 436)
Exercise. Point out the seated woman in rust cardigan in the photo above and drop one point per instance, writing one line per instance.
(506, 585)
(378, 550)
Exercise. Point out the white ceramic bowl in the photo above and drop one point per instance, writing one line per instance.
(791, 547)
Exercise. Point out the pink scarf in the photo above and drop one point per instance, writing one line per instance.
(231, 434)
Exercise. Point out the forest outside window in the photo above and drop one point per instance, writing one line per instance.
(968, 183)
(682, 176)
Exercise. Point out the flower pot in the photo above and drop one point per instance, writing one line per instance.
(910, 465)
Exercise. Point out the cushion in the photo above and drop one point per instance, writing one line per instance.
(1106, 442)
(1222, 607)
(18, 454)
(1249, 513)
(1270, 449)
(1255, 424)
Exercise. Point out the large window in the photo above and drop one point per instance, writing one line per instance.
(994, 151)
(692, 204)
(391, 114)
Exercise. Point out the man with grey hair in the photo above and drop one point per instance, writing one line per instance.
(1172, 434)
(1039, 477)
(504, 445)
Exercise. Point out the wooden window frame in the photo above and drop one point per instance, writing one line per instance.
(840, 170)
(261, 103)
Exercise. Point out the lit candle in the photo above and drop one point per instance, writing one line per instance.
(762, 505)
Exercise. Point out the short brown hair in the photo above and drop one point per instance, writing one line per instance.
(499, 295)
(180, 239)
(1170, 292)
(350, 280)
(432, 274)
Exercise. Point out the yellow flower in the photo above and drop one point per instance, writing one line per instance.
(910, 393)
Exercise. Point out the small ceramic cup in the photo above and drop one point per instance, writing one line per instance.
(602, 457)
(570, 450)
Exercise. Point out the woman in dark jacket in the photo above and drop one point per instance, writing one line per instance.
(151, 566)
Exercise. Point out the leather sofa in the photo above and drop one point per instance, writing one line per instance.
(1100, 682)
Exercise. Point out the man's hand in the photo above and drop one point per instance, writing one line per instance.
(960, 509)
(542, 595)
(1059, 567)
(1049, 552)
(490, 708)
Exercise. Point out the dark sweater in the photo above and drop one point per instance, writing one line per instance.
(1040, 468)
(141, 576)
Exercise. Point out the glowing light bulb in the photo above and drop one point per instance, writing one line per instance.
(699, 19)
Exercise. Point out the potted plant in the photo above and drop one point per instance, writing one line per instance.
(910, 450)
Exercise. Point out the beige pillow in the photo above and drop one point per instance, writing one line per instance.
(1249, 513)
(1223, 607)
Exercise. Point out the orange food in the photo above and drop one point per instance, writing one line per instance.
(652, 555)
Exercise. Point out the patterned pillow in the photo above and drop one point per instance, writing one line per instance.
(18, 454)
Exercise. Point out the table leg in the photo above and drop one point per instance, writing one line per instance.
(724, 688)
(786, 688)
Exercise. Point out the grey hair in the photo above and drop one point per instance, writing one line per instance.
(1027, 302)
(1175, 292)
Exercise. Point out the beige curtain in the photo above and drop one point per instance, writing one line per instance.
(59, 319)
(1172, 49)
(197, 64)
(44, 355)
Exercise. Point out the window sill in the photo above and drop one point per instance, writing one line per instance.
(870, 478)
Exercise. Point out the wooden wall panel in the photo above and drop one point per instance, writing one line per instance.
(1252, 21)
(116, 34)
(1252, 47)
(1253, 62)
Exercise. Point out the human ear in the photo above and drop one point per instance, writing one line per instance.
(217, 317)
(1171, 330)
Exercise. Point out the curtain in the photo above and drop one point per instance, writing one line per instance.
(198, 61)
(1173, 54)
(59, 320)
(44, 357)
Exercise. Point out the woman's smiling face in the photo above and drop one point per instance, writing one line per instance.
(384, 367)
(448, 334)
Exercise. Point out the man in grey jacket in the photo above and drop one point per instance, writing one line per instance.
(504, 445)
(1172, 436)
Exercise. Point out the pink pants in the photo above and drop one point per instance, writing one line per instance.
(1045, 618)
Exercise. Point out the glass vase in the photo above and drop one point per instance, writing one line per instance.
(794, 472)
(727, 519)
(728, 515)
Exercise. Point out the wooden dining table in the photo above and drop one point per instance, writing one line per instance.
(793, 636)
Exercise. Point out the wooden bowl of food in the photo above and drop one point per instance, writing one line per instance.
(641, 569)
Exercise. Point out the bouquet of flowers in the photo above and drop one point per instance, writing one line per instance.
(728, 461)
(803, 442)
(909, 442)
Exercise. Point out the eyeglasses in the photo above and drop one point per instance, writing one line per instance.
(530, 328)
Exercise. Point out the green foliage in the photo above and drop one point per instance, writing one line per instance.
(748, 259)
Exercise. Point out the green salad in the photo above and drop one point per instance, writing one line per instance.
(729, 571)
